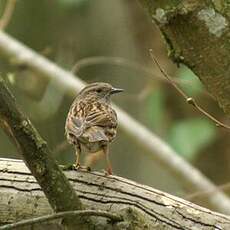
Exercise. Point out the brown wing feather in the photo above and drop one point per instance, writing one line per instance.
(101, 115)
(95, 134)
(92, 121)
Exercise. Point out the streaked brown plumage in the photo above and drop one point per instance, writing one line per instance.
(91, 122)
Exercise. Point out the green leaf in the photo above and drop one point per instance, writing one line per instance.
(189, 81)
(188, 137)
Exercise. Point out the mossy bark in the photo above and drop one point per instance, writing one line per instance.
(36, 154)
(197, 33)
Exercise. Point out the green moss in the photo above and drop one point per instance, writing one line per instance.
(174, 53)
(37, 156)
(221, 6)
(133, 220)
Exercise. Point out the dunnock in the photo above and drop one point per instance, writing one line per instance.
(91, 123)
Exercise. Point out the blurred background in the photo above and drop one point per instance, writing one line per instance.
(110, 41)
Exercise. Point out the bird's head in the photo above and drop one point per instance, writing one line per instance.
(100, 90)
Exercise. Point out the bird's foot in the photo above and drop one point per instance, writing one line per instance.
(107, 172)
(76, 167)
(79, 167)
(67, 167)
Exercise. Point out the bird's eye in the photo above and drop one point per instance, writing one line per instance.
(99, 90)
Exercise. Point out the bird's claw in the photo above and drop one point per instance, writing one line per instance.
(107, 172)
(67, 167)
(88, 169)
(76, 166)
(79, 167)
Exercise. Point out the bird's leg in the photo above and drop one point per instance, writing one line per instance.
(77, 164)
(109, 170)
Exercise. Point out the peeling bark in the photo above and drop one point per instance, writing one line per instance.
(143, 207)
(197, 34)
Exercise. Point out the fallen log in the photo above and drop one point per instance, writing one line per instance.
(22, 198)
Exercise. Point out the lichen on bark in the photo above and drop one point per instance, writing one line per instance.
(36, 154)
(215, 22)
(198, 35)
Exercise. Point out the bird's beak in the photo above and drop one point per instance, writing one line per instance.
(116, 90)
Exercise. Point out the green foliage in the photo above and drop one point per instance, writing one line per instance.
(156, 108)
(188, 137)
(69, 3)
(189, 81)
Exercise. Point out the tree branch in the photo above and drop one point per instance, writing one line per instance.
(41, 219)
(189, 100)
(119, 61)
(36, 154)
(191, 178)
(141, 207)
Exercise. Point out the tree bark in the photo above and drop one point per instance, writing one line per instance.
(142, 207)
(197, 34)
(37, 156)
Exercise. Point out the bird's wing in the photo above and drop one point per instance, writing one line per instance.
(95, 134)
(75, 126)
(91, 122)
(101, 115)
(99, 120)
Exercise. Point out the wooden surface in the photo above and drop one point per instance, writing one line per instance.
(22, 198)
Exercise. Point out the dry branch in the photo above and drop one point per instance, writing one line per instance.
(36, 154)
(60, 215)
(191, 178)
(145, 206)
(189, 100)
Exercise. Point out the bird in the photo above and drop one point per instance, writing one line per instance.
(91, 123)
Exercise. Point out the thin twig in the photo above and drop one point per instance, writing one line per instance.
(123, 62)
(188, 99)
(118, 61)
(7, 14)
(36, 220)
